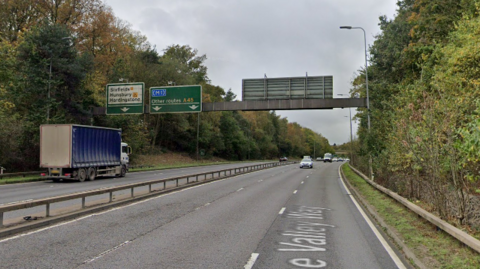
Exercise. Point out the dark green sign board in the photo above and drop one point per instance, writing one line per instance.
(125, 98)
(176, 99)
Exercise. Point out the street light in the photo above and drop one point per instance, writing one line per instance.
(366, 69)
(350, 112)
(366, 86)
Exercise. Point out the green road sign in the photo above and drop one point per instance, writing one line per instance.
(176, 99)
(125, 98)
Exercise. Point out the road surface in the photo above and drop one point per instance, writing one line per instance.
(284, 217)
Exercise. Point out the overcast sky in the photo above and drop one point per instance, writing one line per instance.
(279, 38)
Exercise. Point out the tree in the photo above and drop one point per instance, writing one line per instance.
(187, 62)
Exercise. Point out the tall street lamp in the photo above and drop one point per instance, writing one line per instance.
(366, 86)
(366, 69)
(350, 112)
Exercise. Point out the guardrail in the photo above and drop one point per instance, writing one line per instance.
(441, 224)
(83, 195)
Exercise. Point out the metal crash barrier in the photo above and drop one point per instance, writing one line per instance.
(214, 175)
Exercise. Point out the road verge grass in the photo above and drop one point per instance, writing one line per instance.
(434, 248)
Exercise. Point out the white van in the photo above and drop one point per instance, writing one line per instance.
(327, 157)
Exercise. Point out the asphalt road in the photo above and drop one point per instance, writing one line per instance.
(282, 217)
(13, 193)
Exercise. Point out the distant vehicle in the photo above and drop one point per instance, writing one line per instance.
(340, 159)
(319, 159)
(327, 157)
(79, 152)
(306, 163)
(283, 159)
(335, 159)
(307, 157)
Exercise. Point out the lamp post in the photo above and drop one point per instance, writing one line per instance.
(366, 86)
(366, 69)
(350, 113)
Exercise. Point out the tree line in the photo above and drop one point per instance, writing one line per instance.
(424, 78)
(57, 58)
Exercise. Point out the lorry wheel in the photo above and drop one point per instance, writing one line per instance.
(91, 174)
(82, 174)
(124, 171)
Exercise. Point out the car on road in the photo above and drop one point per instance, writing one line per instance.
(283, 159)
(335, 159)
(319, 159)
(306, 163)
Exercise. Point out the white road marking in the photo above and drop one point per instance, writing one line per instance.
(117, 208)
(239, 189)
(382, 240)
(294, 192)
(307, 176)
(251, 261)
(281, 211)
(106, 252)
(301, 182)
(16, 202)
(260, 180)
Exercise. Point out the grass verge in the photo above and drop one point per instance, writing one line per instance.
(12, 180)
(434, 248)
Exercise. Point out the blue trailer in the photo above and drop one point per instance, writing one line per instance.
(80, 152)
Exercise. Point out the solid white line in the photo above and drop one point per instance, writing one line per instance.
(281, 211)
(251, 261)
(382, 240)
(294, 192)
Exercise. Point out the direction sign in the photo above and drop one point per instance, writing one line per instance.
(125, 98)
(176, 99)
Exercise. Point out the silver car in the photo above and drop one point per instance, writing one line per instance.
(306, 163)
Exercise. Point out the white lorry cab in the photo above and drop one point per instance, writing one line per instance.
(327, 157)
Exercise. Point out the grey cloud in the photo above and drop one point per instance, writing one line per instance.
(280, 38)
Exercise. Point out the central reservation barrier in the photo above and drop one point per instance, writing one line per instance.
(207, 176)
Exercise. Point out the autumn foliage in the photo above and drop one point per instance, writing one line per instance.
(57, 57)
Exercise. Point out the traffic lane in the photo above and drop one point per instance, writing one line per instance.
(221, 234)
(236, 211)
(321, 228)
(17, 216)
(37, 190)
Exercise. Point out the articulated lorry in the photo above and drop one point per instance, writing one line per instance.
(78, 152)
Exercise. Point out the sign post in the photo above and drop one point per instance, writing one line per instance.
(125, 98)
(176, 99)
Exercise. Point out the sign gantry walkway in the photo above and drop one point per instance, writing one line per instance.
(297, 104)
